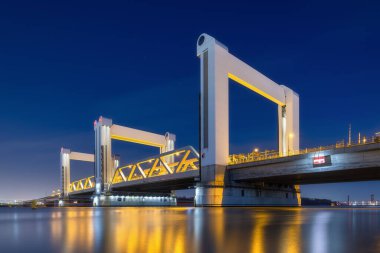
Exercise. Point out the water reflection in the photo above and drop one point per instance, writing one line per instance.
(320, 232)
(182, 230)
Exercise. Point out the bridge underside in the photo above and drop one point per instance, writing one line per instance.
(159, 184)
(352, 175)
(87, 192)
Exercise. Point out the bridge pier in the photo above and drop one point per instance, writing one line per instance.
(217, 189)
(130, 200)
(247, 196)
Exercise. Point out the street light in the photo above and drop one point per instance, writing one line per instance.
(256, 150)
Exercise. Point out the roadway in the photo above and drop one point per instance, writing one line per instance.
(357, 163)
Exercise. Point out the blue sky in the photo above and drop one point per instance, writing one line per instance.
(65, 63)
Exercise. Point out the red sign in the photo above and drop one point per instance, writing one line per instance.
(319, 160)
(322, 161)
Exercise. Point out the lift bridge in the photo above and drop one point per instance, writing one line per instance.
(219, 179)
(168, 171)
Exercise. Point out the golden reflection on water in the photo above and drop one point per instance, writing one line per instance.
(258, 234)
(291, 235)
(121, 230)
(149, 230)
(182, 230)
(74, 228)
(177, 230)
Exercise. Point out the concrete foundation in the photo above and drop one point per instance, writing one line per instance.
(243, 196)
(217, 189)
(105, 201)
(73, 203)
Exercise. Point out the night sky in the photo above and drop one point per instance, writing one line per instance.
(65, 63)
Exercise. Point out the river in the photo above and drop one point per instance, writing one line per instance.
(188, 229)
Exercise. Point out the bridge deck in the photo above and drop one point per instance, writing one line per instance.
(358, 163)
(159, 184)
(88, 191)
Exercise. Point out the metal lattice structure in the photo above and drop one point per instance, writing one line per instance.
(173, 162)
(82, 184)
(169, 163)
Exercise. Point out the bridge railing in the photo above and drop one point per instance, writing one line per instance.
(272, 154)
(82, 184)
(173, 162)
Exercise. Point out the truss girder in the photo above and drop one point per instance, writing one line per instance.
(173, 162)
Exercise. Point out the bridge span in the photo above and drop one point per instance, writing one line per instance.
(179, 169)
(172, 170)
(345, 164)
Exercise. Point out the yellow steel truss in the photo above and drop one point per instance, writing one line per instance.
(173, 162)
(82, 184)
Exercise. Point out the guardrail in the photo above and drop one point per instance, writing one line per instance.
(272, 154)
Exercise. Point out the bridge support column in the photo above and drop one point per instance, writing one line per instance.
(288, 124)
(65, 172)
(169, 146)
(216, 189)
(104, 164)
(246, 196)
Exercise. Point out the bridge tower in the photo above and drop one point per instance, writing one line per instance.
(66, 156)
(103, 155)
(105, 132)
(65, 172)
(217, 67)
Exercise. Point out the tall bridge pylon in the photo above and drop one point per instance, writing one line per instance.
(66, 156)
(217, 67)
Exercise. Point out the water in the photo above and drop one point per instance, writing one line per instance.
(189, 230)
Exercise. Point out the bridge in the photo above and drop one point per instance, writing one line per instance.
(219, 179)
(340, 164)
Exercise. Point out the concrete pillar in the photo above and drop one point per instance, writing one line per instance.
(288, 124)
(169, 146)
(214, 110)
(104, 164)
(169, 142)
(116, 164)
(65, 172)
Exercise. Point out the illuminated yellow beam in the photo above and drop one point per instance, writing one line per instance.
(166, 166)
(255, 89)
(78, 185)
(183, 161)
(153, 167)
(147, 143)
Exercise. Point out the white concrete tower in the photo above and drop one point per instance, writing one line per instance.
(104, 165)
(65, 172)
(66, 156)
(217, 67)
(105, 132)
